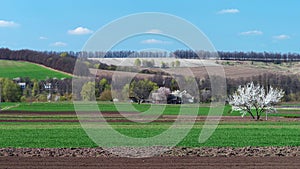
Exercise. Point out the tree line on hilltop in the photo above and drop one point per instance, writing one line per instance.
(59, 61)
(189, 54)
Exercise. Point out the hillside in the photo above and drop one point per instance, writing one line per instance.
(232, 69)
(157, 61)
(13, 69)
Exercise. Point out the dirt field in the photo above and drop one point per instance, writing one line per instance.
(232, 69)
(286, 157)
(154, 162)
(118, 117)
(230, 72)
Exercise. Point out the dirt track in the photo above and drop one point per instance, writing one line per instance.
(154, 162)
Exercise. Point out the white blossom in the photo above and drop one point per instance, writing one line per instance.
(164, 91)
(254, 97)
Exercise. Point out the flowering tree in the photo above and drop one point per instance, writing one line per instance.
(252, 97)
(164, 91)
(161, 95)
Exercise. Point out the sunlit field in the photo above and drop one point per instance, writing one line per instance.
(31, 125)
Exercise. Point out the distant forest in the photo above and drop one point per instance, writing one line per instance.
(189, 54)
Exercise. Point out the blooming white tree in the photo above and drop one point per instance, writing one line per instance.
(164, 91)
(253, 98)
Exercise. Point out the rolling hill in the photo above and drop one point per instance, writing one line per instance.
(232, 69)
(13, 69)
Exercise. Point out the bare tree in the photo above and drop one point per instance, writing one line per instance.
(253, 98)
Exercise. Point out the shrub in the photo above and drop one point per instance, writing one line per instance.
(63, 98)
(105, 96)
(42, 98)
(23, 99)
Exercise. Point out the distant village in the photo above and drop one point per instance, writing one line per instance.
(54, 89)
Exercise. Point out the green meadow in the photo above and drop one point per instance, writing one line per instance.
(13, 69)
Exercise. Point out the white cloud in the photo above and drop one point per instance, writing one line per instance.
(154, 31)
(43, 38)
(59, 44)
(80, 31)
(252, 32)
(228, 11)
(281, 37)
(4, 23)
(154, 41)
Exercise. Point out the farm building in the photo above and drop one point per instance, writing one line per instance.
(19, 81)
(184, 96)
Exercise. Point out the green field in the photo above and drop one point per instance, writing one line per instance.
(13, 69)
(71, 134)
(227, 134)
(108, 106)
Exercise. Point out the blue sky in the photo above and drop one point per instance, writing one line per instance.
(231, 25)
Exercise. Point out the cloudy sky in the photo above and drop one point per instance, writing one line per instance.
(231, 25)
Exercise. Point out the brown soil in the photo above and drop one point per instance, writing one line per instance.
(154, 162)
(230, 72)
(119, 117)
(56, 112)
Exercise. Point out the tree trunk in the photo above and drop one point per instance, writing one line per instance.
(251, 114)
(257, 115)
